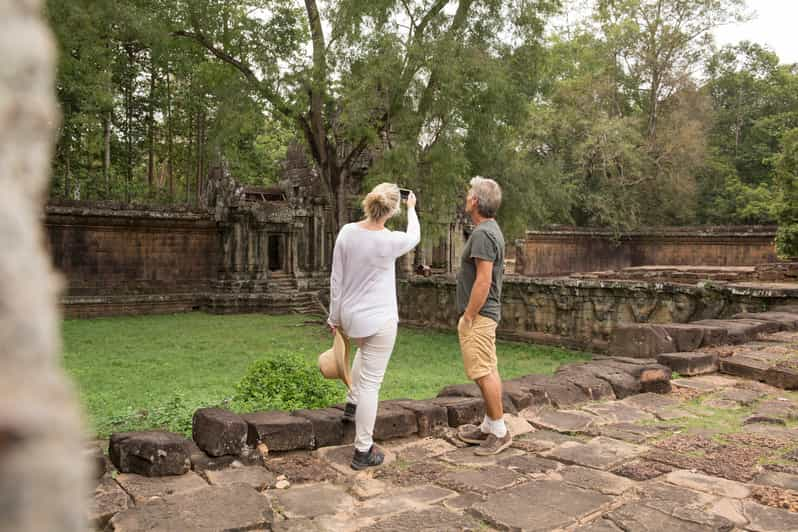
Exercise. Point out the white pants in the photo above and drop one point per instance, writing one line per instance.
(368, 370)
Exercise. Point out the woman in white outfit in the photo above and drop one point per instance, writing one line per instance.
(363, 304)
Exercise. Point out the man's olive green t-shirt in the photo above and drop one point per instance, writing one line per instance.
(487, 243)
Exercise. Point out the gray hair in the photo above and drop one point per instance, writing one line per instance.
(488, 194)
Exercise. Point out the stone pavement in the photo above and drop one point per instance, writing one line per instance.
(718, 452)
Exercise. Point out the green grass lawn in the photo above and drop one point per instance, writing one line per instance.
(144, 372)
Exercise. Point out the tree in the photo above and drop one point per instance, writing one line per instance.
(387, 77)
(755, 102)
(787, 206)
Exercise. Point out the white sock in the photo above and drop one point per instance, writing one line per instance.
(485, 426)
(497, 427)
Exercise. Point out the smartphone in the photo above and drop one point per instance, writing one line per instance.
(404, 193)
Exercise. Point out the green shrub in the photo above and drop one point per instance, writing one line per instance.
(787, 241)
(285, 383)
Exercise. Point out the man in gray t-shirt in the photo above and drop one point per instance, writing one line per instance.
(479, 290)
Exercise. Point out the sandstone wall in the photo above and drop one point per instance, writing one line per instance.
(582, 313)
(563, 252)
(128, 261)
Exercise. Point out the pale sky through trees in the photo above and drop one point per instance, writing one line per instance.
(773, 25)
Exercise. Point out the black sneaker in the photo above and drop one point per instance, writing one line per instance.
(371, 458)
(349, 413)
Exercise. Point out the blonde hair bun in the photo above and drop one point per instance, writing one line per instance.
(382, 201)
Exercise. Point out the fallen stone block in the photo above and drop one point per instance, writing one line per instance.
(789, 309)
(595, 389)
(430, 418)
(558, 392)
(686, 336)
(205, 509)
(785, 378)
(328, 426)
(742, 366)
(690, 364)
(622, 383)
(653, 377)
(393, 421)
(639, 340)
(762, 326)
(518, 393)
(738, 332)
(279, 431)
(150, 453)
(219, 432)
(472, 390)
(462, 410)
(787, 320)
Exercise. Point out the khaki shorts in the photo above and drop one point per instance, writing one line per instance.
(478, 346)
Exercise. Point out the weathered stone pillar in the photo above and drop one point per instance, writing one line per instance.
(43, 480)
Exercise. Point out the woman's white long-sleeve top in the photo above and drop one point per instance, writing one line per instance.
(363, 280)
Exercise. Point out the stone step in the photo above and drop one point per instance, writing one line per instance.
(690, 363)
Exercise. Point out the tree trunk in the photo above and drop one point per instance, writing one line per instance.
(67, 169)
(151, 135)
(43, 473)
(107, 153)
(169, 135)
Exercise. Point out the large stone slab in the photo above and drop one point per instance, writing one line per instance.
(742, 366)
(738, 332)
(767, 519)
(777, 479)
(462, 410)
(256, 477)
(708, 484)
(690, 363)
(109, 499)
(540, 505)
(211, 509)
(438, 519)
(641, 518)
(616, 412)
(787, 320)
(595, 480)
(150, 453)
(599, 453)
(630, 432)
(640, 340)
(528, 464)
(279, 431)
(483, 481)
(559, 420)
(742, 396)
(541, 440)
(218, 431)
(783, 376)
(142, 489)
(313, 500)
(328, 426)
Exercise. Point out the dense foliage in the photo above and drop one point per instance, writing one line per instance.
(629, 116)
(285, 383)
